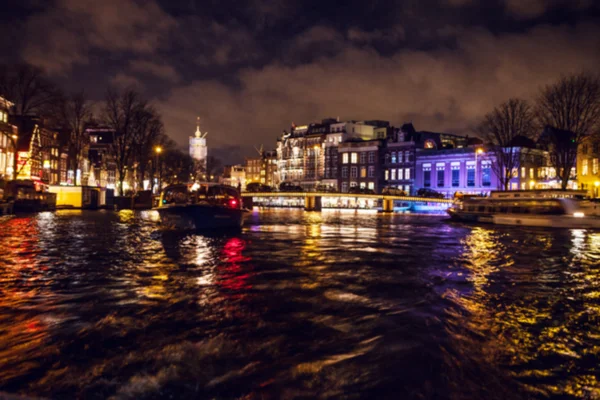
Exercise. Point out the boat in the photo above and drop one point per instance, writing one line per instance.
(29, 196)
(201, 206)
(541, 208)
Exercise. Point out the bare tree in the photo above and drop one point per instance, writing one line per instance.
(501, 129)
(148, 132)
(28, 88)
(76, 116)
(569, 110)
(120, 114)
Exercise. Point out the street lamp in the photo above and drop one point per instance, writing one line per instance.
(158, 150)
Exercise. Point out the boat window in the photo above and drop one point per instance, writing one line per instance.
(481, 208)
(504, 209)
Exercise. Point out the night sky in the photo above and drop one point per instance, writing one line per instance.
(251, 68)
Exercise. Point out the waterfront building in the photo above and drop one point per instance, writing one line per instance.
(234, 175)
(290, 154)
(101, 163)
(8, 135)
(360, 164)
(198, 147)
(253, 169)
(588, 166)
(447, 171)
(38, 151)
(269, 167)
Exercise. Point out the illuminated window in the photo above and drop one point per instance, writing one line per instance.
(371, 185)
(515, 173)
(353, 158)
(471, 173)
(523, 173)
(595, 166)
(486, 173)
(429, 144)
(363, 172)
(440, 168)
(345, 158)
(387, 175)
(426, 175)
(584, 167)
(400, 153)
(394, 157)
(531, 173)
(363, 185)
(393, 174)
(407, 173)
(400, 174)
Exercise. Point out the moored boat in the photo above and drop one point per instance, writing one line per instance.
(203, 206)
(542, 208)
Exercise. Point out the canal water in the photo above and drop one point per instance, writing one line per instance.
(298, 305)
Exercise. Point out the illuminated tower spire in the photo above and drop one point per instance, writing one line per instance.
(198, 133)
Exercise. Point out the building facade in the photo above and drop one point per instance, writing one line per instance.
(588, 166)
(360, 163)
(461, 170)
(8, 136)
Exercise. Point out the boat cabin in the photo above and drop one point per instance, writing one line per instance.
(200, 193)
(540, 193)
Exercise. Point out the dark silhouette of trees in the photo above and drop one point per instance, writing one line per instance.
(500, 129)
(121, 113)
(75, 117)
(569, 112)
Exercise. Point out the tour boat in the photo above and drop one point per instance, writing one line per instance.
(203, 206)
(543, 208)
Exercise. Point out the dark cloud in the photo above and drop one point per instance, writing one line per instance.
(443, 89)
(66, 33)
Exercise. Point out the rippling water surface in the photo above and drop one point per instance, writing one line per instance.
(329, 305)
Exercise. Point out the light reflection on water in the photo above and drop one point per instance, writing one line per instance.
(332, 304)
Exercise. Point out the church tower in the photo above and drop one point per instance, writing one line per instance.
(198, 148)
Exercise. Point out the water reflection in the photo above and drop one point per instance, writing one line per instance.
(332, 304)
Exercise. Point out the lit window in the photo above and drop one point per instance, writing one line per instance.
(400, 174)
(531, 173)
(363, 172)
(394, 157)
(595, 166)
(387, 174)
(393, 174)
(345, 158)
(400, 154)
(584, 167)
(353, 158)
(523, 173)
(371, 185)
(407, 173)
